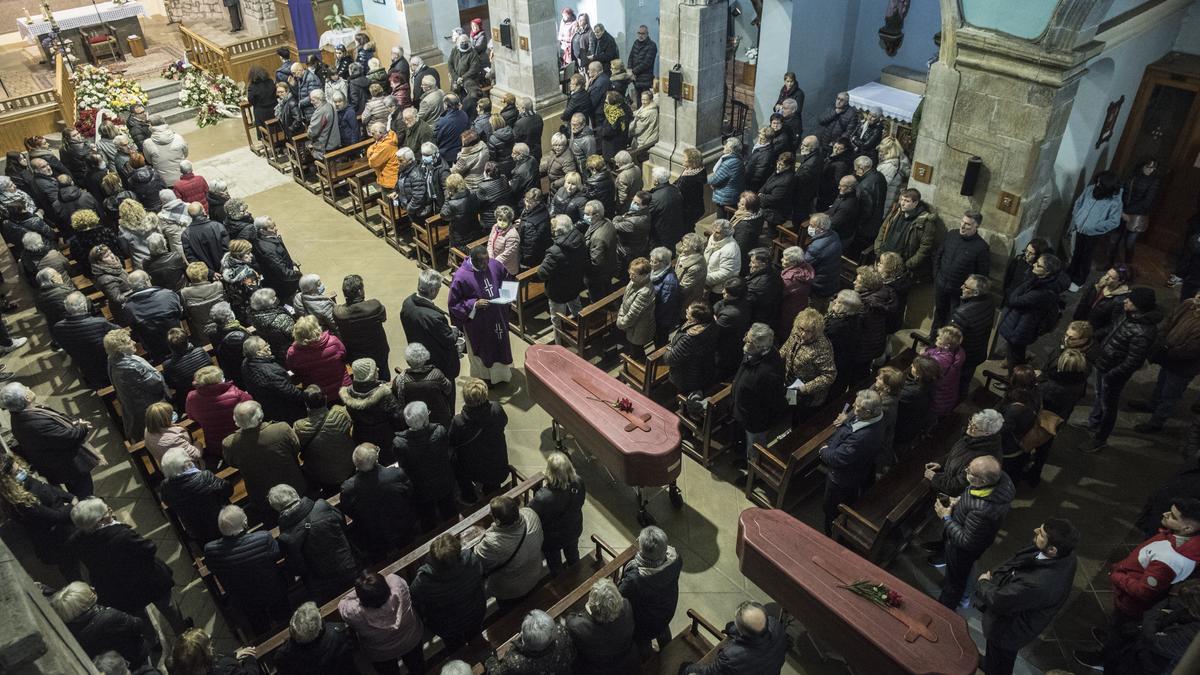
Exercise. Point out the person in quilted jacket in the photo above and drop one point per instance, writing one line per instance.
(947, 351)
(972, 520)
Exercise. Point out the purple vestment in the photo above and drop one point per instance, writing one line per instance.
(488, 329)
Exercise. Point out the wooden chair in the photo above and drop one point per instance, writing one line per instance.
(595, 322)
(365, 194)
(336, 167)
(248, 124)
(300, 160)
(531, 296)
(431, 237)
(98, 42)
(718, 413)
(276, 145)
(647, 375)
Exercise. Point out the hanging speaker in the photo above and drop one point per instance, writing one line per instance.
(675, 83)
(506, 34)
(971, 176)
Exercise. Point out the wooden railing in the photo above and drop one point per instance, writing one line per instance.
(232, 60)
(65, 90)
(36, 114)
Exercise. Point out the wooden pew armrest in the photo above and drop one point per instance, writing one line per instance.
(851, 514)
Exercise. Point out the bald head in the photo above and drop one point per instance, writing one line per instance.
(809, 145)
(983, 471)
(751, 618)
(846, 184)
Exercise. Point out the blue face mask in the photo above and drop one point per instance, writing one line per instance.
(22, 474)
(634, 207)
(587, 219)
(812, 231)
(321, 289)
(426, 159)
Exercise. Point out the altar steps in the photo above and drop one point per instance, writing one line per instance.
(164, 100)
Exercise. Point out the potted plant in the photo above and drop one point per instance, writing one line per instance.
(339, 21)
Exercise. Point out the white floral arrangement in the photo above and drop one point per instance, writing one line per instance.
(752, 55)
(214, 96)
(96, 87)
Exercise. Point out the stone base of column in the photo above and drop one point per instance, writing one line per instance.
(555, 102)
(431, 55)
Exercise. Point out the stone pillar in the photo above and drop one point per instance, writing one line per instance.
(530, 68)
(259, 17)
(416, 31)
(692, 35)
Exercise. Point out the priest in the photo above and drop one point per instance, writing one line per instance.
(473, 308)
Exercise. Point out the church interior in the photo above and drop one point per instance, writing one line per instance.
(1014, 114)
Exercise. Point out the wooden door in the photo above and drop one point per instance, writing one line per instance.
(1165, 124)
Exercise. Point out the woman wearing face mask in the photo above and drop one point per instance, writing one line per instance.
(570, 198)
(240, 277)
(636, 316)
(43, 509)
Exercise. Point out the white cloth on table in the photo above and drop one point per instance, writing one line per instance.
(341, 36)
(896, 104)
(79, 17)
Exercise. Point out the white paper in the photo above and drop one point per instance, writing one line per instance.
(797, 384)
(508, 293)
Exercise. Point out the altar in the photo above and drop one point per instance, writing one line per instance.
(75, 22)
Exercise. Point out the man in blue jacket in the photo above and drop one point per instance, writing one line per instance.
(449, 127)
(824, 253)
(850, 453)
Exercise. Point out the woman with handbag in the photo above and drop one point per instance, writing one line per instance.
(1137, 200)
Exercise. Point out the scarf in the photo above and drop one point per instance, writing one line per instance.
(647, 566)
(613, 112)
(655, 276)
(742, 214)
(692, 172)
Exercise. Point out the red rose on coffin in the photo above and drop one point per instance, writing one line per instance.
(624, 405)
(894, 599)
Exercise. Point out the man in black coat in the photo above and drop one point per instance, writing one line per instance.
(597, 87)
(760, 164)
(1021, 597)
(269, 383)
(843, 212)
(447, 592)
(666, 210)
(564, 268)
(524, 175)
(360, 324)
(1122, 353)
(872, 195)
(425, 323)
(850, 453)
(758, 645)
(957, 258)
(52, 443)
(974, 316)
(419, 70)
(534, 222)
(194, 495)
(152, 311)
(204, 240)
(246, 564)
(578, 101)
(379, 501)
(606, 48)
(82, 337)
(810, 164)
(838, 120)
(971, 521)
(313, 537)
(758, 386)
(732, 316)
(71, 199)
(651, 584)
(640, 63)
(764, 288)
(528, 128)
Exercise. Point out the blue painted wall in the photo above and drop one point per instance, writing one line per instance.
(385, 16)
(923, 20)
(822, 51)
(1022, 18)
(352, 7)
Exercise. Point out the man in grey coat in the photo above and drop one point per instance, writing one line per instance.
(601, 238)
(323, 135)
(511, 551)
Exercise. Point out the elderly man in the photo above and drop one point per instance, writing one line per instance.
(838, 120)
(564, 269)
(651, 584)
(312, 535)
(323, 133)
(432, 100)
(666, 210)
(191, 187)
(961, 254)
(909, 230)
(424, 453)
(528, 127)
(152, 311)
(971, 519)
(577, 101)
(246, 563)
(347, 121)
(138, 124)
(449, 127)
(757, 644)
(164, 150)
(758, 387)
(51, 293)
(850, 453)
(642, 58)
(465, 68)
(381, 155)
(417, 131)
(194, 495)
(974, 316)
(980, 439)
(304, 82)
(204, 240)
(598, 85)
(865, 139)
(511, 551)
(793, 124)
(39, 254)
(628, 179)
(314, 299)
(419, 72)
(379, 499)
(265, 454)
(53, 444)
(843, 212)
(824, 253)
(600, 237)
(416, 189)
(524, 175)
(360, 324)
(543, 646)
(872, 198)
(583, 140)
(81, 335)
(218, 194)
(426, 323)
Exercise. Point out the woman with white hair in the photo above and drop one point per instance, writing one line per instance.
(542, 647)
(723, 258)
(165, 267)
(271, 321)
(843, 323)
(728, 176)
(136, 382)
(122, 564)
(314, 300)
(559, 162)
(982, 437)
(690, 269)
(422, 381)
(269, 383)
(97, 628)
(52, 443)
(193, 494)
(603, 632)
(424, 454)
(278, 269)
(797, 277)
(316, 647)
(559, 505)
(651, 583)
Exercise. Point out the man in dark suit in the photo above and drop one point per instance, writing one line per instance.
(360, 324)
(424, 322)
(757, 644)
(379, 500)
(235, 15)
(419, 70)
(850, 453)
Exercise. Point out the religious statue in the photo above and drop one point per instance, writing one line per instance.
(892, 33)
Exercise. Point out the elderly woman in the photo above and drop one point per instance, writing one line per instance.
(271, 321)
(379, 106)
(109, 275)
(424, 455)
(269, 383)
(200, 295)
(88, 234)
(373, 407)
(559, 505)
(136, 382)
(38, 254)
(194, 495)
(210, 404)
(636, 316)
(947, 352)
(691, 351)
(461, 211)
(422, 381)
(380, 611)
(797, 276)
(897, 277)
(843, 326)
(163, 435)
(690, 268)
(313, 646)
(165, 267)
(478, 443)
(115, 195)
(121, 564)
(471, 159)
(475, 284)
(723, 259)
(52, 443)
(239, 276)
(500, 144)
(133, 233)
(728, 177)
(603, 632)
(643, 130)
(879, 304)
(542, 646)
(318, 357)
(559, 163)
(504, 242)
(97, 628)
(570, 199)
(278, 269)
(747, 224)
(239, 222)
(312, 300)
(808, 356)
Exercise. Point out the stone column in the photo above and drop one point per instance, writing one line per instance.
(259, 17)
(416, 31)
(530, 67)
(692, 35)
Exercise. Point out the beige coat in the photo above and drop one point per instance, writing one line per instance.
(691, 270)
(470, 164)
(629, 183)
(556, 167)
(644, 129)
(636, 316)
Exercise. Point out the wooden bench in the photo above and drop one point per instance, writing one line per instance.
(645, 376)
(718, 413)
(276, 145)
(595, 322)
(698, 643)
(301, 163)
(336, 167)
(365, 194)
(431, 238)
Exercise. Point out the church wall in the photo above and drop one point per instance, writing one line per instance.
(1189, 32)
(381, 22)
(923, 20)
(352, 7)
(820, 34)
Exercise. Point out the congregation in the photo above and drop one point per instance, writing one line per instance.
(234, 371)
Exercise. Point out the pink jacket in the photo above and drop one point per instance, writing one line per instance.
(387, 632)
(322, 363)
(211, 406)
(504, 244)
(945, 389)
(172, 437)
(797, 284)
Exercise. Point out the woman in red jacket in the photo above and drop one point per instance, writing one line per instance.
(210, 403)
(316, 357)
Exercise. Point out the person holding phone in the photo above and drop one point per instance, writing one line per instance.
(850, 453)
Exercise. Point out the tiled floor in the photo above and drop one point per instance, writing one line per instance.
(1102, 494)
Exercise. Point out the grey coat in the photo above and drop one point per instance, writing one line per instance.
(629, 183)
(519, 575)
(636, 316)
(138, 385)
(323, 134)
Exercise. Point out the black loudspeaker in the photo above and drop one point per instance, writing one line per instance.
(675, 83)
(506, 34)
(971, 176)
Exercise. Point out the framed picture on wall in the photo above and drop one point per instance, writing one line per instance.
(1110, 121)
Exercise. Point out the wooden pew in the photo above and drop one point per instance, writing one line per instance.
(531, 291)
(645, 376)
(301, 162)
(365, 194)
(456, 255)
(698, 643)
(336, 167)
(408, 564)
(718, 413)
(276, 145)
(431, 237)
(595, 322)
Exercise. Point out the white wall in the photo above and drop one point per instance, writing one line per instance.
(1189, 32)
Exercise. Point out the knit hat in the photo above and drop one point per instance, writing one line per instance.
(363, 370)
(1142, 298)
